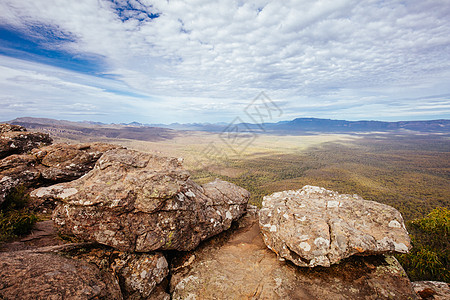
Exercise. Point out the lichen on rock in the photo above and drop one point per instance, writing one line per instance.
(318, 227)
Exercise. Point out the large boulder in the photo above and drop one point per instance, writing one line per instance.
(139, 202)
(317, 227)
(237, 265)
(16, 140)
(33, 275)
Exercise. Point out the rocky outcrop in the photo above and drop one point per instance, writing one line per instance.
(48, 165)
(31, 275)
(16, 140)
(237, 265)
(64, 162)
(317, 227)
(4, 127)
(432, 290)
(139, 274)
(138, 202)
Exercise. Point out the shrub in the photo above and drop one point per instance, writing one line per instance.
(430, 257)
(15, 218)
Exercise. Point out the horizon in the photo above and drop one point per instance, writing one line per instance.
(160, 62)
(215, 123)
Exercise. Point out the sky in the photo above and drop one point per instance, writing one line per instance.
(207, 61)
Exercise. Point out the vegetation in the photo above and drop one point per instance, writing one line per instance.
(430, 257)
(15, 218)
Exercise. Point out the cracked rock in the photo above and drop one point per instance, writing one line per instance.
(139, 202)
(318, 227)
(139, 274)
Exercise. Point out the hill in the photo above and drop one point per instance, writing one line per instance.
(86, 130)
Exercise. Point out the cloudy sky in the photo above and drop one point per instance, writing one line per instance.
(205, 61)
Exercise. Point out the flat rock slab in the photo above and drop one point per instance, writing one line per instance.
(139, 202)
(237, 265)
(317, 227)
(43, 234)
(29, 275)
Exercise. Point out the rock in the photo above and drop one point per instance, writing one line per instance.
(4, 127)
(30, 275)
(139, 274)
(236, 264)
(317, 227)
(64, 162)
(7, 185)
(16, 140)
(48, 165)
(16, 164)
(139, 202)
(432, 290)
(43, 234)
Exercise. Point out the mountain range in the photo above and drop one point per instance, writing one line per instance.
(298, 126)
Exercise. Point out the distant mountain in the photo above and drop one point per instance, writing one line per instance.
(154, 132)
(328, 125)
(86, 130)
(302, 125)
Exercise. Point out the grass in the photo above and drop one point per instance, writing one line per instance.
(15, 218)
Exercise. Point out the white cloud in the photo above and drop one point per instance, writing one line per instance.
(323, 54)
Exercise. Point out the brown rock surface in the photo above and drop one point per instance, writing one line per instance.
(48, 165)
(16, 140)
(31, 275)
(432, 290)
(64, 162)
(237, 265)
(139, 202)
(4, 127)
(43, 234)
(317, 227)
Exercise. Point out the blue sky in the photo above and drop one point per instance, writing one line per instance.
(205, 61)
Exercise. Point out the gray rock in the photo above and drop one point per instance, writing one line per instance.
(31, 275)
(317, 227)
(139, 202)
(236, 264)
